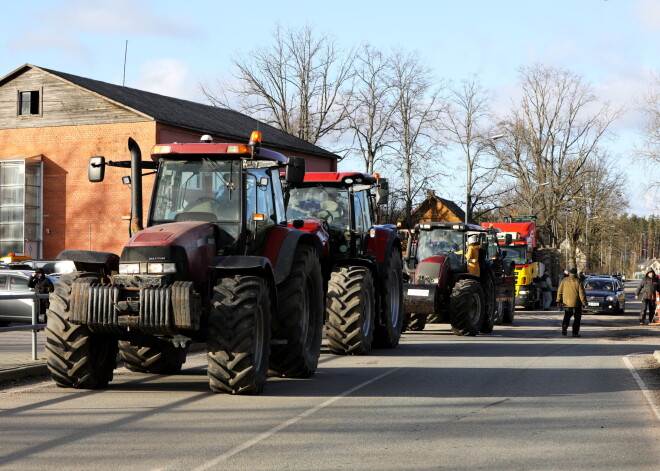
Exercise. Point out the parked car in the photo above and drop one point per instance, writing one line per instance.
(605, 294)
(17, 310)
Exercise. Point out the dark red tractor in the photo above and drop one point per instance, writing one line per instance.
(361, 263)
(441, 287)
(216, 263)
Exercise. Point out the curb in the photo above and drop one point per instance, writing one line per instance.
(656, 354)
(22, 372)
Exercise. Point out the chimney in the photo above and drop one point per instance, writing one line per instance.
(430, 194)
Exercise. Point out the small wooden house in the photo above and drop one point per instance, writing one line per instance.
(436, 209)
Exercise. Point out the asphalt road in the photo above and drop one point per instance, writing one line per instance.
(521, 398)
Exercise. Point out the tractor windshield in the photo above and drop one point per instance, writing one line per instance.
(517, 253)
(441, 241)
(201, 190)
(319, 202)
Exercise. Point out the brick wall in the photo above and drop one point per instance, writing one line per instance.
(79, 214)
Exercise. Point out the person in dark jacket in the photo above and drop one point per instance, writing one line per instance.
(647, 290)
(572, 296)
(41, 285)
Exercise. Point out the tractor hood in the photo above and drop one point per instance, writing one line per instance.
(190, 244)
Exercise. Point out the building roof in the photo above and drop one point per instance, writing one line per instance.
(207, 119)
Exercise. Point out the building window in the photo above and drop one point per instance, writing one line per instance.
(28, 103)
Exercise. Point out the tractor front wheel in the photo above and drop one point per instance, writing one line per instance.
(76, 357)
(350, 308)
(466, 307)
(239, 335)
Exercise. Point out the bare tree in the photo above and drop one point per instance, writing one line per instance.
(467, 126)
(416, 150)
(293, 85)
(651, 110)
(370, 106)
(552, 134)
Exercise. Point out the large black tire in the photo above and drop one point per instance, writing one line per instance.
(509, 311)
(433, 318)
(414, 322)
(388, 333)
(466, 307)
(160, 358)
(299, 318)
(351, 311)
(76, 357)
(239, 335)
(499, 312)
(490, 305)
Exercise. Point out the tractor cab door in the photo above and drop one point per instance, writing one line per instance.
(361, 220)
(504, 282)
(264, 208)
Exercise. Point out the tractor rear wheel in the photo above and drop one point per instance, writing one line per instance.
(490, 305)
(387, 334)
(160, 358)
(76, 357)
(299, 318)
(466, 307)
(239, 335)
(351, 311)
(415, 322)
(509, 311)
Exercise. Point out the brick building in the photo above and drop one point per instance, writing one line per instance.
(52, 122)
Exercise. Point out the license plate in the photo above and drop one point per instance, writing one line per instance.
(418, 292)
(594, 304)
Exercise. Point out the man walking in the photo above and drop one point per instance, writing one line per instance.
(648, 288)
(546, 290)
(571, 294)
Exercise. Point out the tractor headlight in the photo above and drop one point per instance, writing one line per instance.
(160, 268)
(610, 298)
(129, 268)
(523, 291)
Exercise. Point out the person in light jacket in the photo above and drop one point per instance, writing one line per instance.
(572, 296)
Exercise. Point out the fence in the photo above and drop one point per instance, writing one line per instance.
(35, 326)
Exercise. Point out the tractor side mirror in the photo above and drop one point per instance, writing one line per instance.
(508, 239)
(383, 191)
(295, 170)
(96, 169)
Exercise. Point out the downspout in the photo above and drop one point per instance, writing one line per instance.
(136, 186)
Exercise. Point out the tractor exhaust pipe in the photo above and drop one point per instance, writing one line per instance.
(136, 186)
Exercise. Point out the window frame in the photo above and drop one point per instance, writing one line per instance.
(40, 102)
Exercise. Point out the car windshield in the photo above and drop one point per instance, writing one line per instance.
(197, 189)
(441, 242)
(319, 202)
(598, 285)
(517, 253)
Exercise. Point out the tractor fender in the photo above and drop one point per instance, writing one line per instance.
(284, 252)
(90, 261)
(380, 245)
(246, 265)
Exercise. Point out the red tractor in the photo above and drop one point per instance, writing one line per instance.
(362, 261)
(216, 263)
(445, 282)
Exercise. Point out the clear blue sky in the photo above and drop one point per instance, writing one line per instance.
(174, 45)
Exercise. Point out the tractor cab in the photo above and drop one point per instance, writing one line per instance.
(343, 201)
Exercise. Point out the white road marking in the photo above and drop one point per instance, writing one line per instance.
(642, 385)
(283, 425)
